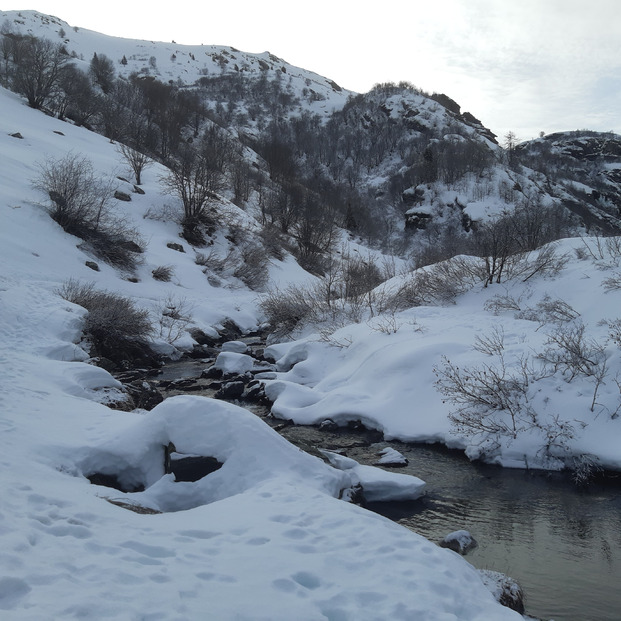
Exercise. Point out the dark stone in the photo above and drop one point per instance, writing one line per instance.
(106, 363)
(447, 102)
(201, 338)
(354, 495)
(145, 395)
(459, 541)
(230, 331)
(122, 196)
(211, 373)
(174, 246)
(92, 265)
(230, 390)
(417, 220)
(183, 383)
(59, 133)
(328, 425)
(16, 135)
(192, 468)
(256, 394)
(356, 425)
(138, 190)
(203, 352)
(111, 480)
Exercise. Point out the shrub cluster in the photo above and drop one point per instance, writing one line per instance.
(81, 204)
(115, 327)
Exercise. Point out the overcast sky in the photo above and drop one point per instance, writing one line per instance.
(520, 65)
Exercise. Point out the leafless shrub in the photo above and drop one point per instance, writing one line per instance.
(116, 328)
(490, 399)
(612, 283)
(581, 254)
(606, 250)
(437, 284)
(549, 310)
(543, 262)
(492, 344)
(80, 202)
(253, 265)
(386, 324)
(136, 160)
(274, 242)
(213, 261)
(502, 303)
(614, 330)
(174, 315)
(286, 310)
(570, 351)
(163, 273)
(585, 468)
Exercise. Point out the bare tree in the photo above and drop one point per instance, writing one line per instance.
(136, 160)
(102, 72)
(38, 73)
(193, 179)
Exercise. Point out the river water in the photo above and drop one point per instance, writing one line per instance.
(562, 544)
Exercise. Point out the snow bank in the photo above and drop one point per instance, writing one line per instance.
(250, 451)
(261, 538)
(377, 484)
(387, 378)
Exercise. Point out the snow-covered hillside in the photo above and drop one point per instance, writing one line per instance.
(537, 357)
(516, 361)
(184, 65)
(268, 539)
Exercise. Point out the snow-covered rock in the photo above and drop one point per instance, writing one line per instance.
(238, 347)
(232, 363)
(377, 484)
(391, 457)
(504, 589)
(460, 541)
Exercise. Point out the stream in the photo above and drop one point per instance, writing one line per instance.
(562, 544)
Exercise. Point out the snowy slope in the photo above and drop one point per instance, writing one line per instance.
(183, 64)
(265, 538)
(384, 372)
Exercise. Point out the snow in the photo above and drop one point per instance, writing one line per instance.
(239, 347)
(391, 457)
(230, 362)
(378, 485)
(387, 380)
(264, 537)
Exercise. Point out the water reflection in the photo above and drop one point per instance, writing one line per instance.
(563, 545)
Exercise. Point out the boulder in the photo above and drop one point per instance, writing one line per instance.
(144, 394)
(232, 363)
(460, 541)
(505, 590)
(230, 390)
(390, 458)
(122, 196)
(238, 347)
